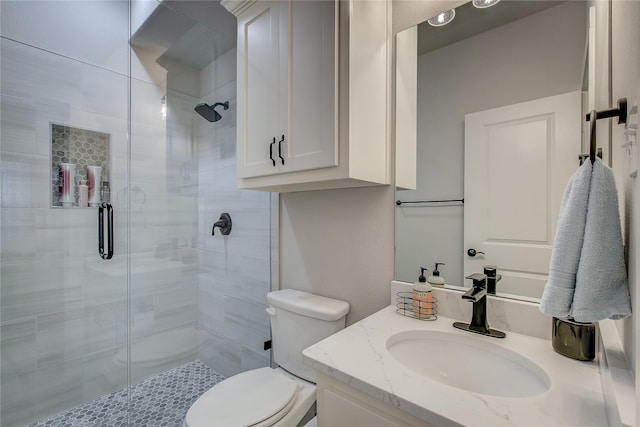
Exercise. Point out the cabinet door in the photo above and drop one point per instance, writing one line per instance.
(339, 410)
(287, 87)
(259, 95)
(311, 139)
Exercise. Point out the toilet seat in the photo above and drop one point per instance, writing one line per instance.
(259, 397)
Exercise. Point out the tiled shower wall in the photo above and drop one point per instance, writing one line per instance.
(235, 271)
(65, 312)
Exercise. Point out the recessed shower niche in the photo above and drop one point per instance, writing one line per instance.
(80, 167)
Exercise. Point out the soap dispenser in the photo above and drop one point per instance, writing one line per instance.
(422, 297)
(435, 279)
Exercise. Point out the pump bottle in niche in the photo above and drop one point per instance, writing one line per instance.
(93, 175)
(83, 194)
(67, 184)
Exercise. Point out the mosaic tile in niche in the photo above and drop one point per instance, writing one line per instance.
(81, 147)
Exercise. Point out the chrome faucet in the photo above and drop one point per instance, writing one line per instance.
(478, 296)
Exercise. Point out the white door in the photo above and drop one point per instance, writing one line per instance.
(518, 160)
(259, 95)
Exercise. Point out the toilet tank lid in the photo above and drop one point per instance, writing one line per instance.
(308, 305)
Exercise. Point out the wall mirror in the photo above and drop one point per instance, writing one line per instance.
(489, 130)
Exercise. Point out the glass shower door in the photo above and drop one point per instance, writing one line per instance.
(64, 136)
(98, 105)
(197, 300)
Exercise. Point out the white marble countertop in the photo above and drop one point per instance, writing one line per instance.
(358, 357)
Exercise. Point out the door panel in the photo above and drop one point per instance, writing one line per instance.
(518, 160)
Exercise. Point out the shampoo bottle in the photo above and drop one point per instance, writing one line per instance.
(83, 194)
(435, 279)
(422, 297)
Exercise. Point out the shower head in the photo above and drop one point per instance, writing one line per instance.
(208, 111)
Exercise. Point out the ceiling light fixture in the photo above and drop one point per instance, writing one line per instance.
(442, 19)
(481, 4)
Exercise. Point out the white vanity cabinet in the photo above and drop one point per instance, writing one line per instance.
(341, 405)
(313, 86)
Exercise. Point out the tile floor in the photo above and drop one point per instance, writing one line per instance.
(158, 401)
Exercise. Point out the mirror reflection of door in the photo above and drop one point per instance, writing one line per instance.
(518, 159)
(538, 54)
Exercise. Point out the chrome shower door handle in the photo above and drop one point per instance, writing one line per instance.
(101, 251)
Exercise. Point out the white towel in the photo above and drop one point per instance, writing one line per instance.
(565, 254)
(601, 282)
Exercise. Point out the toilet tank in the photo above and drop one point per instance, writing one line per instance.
(298, 320)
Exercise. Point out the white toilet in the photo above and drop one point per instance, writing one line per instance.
(282, 396)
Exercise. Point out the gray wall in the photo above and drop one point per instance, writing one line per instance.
(339, 244)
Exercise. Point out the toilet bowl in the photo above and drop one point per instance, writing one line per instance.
(284, 396)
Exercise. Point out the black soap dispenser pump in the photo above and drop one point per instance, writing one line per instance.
(435, 279)
(422, 297)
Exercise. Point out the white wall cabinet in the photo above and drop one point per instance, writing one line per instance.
(286, 66)
(313, 86)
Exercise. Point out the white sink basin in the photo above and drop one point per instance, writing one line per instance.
(469, 363)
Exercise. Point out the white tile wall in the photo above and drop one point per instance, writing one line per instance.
(72, 29)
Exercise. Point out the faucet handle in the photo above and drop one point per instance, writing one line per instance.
(224, 224)
(479, 280)
(492, 272)
(492, 278)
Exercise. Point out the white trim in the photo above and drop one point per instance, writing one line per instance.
(617, 377)
(236, 7)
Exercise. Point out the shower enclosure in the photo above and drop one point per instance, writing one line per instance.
(97, 102)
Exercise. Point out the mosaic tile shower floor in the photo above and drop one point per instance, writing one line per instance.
(158, 401)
